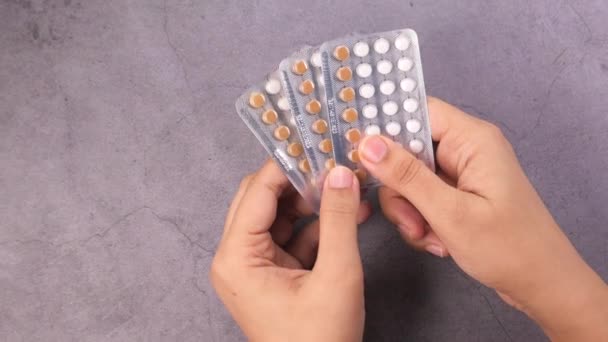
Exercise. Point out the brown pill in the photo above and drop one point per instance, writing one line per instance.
(344, 74)
(341, 53)
(347, 94)
(304, 166)
(306, 87)
(269, 117)
(354, 156)
(295, 149)
(330, 164)
(313, 107)
(353, 135)
(361, 175)
(281, 133)
(325, 146)
(256, 100)
(299, 67)
(350, 115)
(319, 126)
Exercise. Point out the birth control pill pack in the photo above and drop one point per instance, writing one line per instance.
(374, 85)
(311, 113)
(265, 110)
(303, 82)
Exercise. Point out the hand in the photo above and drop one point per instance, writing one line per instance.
(483, 211)
(263, 274)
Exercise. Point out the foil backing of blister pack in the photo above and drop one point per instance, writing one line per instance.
(265, 110)
(384, 95)
(301, 73)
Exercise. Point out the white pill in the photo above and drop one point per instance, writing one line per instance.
(370, 111)
(416, 146)
(402, 42)
(283, 103)
(393, 128)
(367, 91)
(390, 108)
(361, 49)
(407, 84)
(273, 86)
(363, 70)
(410, 105)
(315, 59)
(381, 45)
(372, 130)
(413, 125)
(405, 64)
(387, 87)
(384, 67)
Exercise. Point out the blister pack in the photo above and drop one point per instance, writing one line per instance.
(265, 110)
(301, 73)
(384, 94)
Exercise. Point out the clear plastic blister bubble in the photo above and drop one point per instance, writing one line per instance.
(265, 110)
(385, 95)
(303, 80)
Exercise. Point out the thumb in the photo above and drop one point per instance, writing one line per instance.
(398, 169)
(338, 247)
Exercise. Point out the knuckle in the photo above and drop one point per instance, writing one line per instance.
(494, 131)
(406, 170)
(339, 208)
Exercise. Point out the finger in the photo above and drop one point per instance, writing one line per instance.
(258, 207)
(430, 243)
(402, 213)
(235, 203)
(338, 247)
(396, 168)
(304, 246)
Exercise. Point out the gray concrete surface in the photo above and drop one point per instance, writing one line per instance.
(120, 151)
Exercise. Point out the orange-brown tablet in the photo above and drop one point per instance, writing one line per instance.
(281, 133)
(295, 149)
(256, 100)
(304, 166)
(361, 175)
(350, 115)
(347, 94)
(299, 67)
(330, 164)
(325, 146)
(319, 126)
(354, 156)
(306, 87)
(353, 135)
(341, 53)
(313, 107)
(344, 74)
(269, 117)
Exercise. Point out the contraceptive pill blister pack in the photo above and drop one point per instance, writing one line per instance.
(385, 95)
(333, 95)
(265, 110)
(303, 82)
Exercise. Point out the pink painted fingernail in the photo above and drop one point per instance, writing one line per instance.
(435, 250)
(340, 178)
(373, 149)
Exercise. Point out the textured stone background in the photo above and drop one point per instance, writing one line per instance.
(120, 150)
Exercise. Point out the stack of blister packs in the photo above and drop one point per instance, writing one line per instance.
(311, 113)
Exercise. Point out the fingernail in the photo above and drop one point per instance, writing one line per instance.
(435, 250)
(374, 149)
(340, 178)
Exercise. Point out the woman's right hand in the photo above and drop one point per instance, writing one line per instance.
(483, 211)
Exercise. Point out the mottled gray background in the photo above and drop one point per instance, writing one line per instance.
(120, 151)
